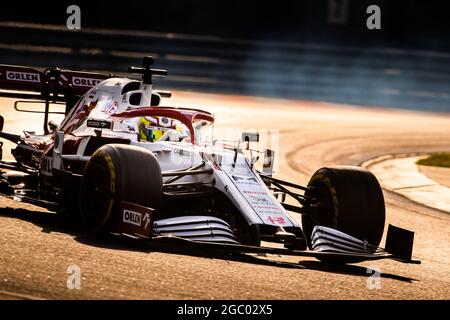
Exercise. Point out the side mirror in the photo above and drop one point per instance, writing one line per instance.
(2, 121)
(269, 159)
(250, 136)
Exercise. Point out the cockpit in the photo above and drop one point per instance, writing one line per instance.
(107, 108)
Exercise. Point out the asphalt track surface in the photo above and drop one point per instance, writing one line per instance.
(36, 248)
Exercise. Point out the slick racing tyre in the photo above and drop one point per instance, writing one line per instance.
(116, 173)
(349, 199)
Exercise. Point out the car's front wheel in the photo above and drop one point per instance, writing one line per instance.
(117, 173)
(348, 199)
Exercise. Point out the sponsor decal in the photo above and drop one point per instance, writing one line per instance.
(261, 200)
(276, 220)
(85, 82)
(132, 217)
(23, 76)
(99, 124)
(240, 179)
(111, 108)
(181, 152)
(257, 195)
(135, 220)
(164, 122)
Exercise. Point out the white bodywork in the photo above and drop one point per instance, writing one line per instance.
(232, 174)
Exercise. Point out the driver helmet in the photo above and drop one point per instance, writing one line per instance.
(153, 128)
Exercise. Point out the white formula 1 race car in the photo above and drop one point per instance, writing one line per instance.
(126, 165)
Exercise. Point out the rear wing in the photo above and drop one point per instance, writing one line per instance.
(57, 85)
(52, 84)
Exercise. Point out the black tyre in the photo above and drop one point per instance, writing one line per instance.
(116, 173)
(352, 202)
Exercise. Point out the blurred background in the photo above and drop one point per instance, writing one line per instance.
(313, 50)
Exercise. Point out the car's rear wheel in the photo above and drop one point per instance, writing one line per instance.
(348, 199)
(116, 173)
